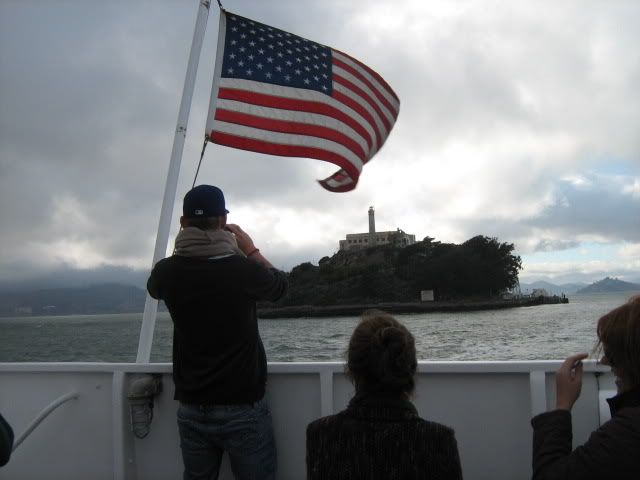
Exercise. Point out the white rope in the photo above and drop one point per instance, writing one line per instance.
(42, 415)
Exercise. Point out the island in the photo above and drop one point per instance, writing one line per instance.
(424, 276)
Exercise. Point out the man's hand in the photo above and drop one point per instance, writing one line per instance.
(244, 240)
(569, 381)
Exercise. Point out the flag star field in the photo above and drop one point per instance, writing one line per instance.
(258, 52)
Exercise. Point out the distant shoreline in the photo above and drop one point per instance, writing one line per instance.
(314, 311)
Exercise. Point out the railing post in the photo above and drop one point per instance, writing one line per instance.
(538, 392)
(326, 393)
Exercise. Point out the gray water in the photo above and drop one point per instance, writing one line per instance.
(528, 333)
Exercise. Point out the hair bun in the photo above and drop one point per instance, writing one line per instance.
(388, 336)
(382, 355)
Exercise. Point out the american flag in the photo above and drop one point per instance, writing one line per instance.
(281, 94)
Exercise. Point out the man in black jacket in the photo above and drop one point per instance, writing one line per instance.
(210, 286)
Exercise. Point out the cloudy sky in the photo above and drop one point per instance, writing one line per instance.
(519, 120)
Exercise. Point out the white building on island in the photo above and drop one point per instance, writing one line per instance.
(372, 238)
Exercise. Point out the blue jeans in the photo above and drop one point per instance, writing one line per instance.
(245, 432)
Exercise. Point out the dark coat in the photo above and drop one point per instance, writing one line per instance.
(612, 452)
(380, 437)
(218, 356)
(6, 441)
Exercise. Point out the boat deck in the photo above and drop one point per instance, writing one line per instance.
(489, 404)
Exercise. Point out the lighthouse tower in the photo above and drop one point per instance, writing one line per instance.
(355, 241)
(372, 227)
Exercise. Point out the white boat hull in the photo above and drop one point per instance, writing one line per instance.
(489, 404)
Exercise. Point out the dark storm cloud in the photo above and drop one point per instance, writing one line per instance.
(497, 105)
(89, 99)
(549, 245)
(587, 207)
(70, 121)
(595, 205)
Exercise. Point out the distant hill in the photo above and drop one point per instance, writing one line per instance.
(95, 299)
(553, 289)
(609, 284)
(72, 278)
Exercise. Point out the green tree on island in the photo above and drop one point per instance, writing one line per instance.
(481, 267)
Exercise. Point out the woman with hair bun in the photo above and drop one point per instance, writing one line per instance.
(613, 450)
(380, 435)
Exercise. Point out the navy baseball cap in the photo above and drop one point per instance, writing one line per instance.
(204, 201)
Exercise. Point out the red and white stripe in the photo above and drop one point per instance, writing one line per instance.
(347, 128)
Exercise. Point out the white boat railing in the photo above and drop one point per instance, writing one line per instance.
(489, 404)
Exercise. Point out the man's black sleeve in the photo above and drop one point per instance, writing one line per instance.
(266, 283)
(6, 441)
(153, 285)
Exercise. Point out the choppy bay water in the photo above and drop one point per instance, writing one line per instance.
(529, 333)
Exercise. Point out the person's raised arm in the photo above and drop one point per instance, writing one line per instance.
(569, 381)
(245, 243)
(552, 431)
(270, 284)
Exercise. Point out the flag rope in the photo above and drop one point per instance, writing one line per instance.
(204, 146)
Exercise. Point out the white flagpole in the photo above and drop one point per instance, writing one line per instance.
(162, 238)
(213, 101)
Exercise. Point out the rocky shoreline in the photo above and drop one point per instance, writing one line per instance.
(313, 311)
